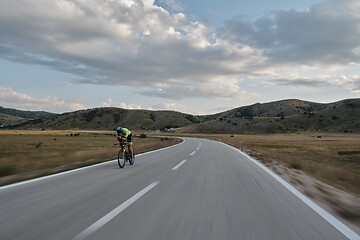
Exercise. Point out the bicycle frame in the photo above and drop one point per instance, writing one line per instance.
(124, 149)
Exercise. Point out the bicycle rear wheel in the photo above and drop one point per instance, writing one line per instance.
(121, 158)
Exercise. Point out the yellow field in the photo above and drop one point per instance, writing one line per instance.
(28, 154)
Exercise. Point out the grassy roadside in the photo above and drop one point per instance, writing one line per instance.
(29, 154)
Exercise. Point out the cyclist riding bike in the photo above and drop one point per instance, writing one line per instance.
(124, 134)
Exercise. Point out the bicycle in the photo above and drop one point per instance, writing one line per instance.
(124, 156)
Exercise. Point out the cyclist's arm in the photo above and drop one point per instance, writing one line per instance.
(121, 138)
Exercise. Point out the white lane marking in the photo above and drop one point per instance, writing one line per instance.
(193, 153)
(82, 168)
(111, 215)
(179, 165)
(327, 216)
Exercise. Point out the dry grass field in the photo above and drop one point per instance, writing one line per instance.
(29, 154)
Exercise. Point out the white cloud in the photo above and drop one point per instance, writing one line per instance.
(173, 4)
(107, 103)
(349, 82)
(164, 54)
(160, 106)
(128, 42)
(221, 88)
(9, 97)
(170, 106)
(327, 33)
(129, 106)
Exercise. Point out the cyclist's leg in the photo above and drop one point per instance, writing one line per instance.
(130, 145)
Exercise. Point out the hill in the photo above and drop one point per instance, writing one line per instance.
(6, 120)
(109, 118)
(286, 116)
(26, 114)
(274, 117)
(10, 116)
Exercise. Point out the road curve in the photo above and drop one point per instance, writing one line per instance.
(199, 189)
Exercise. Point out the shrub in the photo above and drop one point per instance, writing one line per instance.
(348, 152)
(143, 135)
(7, 169)
(296, 165)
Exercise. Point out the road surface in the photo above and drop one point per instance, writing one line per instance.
(199, 189)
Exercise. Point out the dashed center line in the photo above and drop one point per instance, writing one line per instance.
(111, 215)
(193, 153)
(179, 165)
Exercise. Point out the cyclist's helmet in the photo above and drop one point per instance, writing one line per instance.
(118, 129)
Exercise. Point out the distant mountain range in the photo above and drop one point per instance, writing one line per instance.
(287, 116)
(284, 116)
(10, 116)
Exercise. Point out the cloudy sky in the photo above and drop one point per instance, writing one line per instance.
(197, 57)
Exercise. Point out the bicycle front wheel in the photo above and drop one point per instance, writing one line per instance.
(121, 158)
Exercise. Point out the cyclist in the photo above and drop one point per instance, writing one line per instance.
(125, 134)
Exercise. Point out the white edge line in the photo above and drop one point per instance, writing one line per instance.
(111, 215)
(179, 165)
(327, 216)
(82, 168)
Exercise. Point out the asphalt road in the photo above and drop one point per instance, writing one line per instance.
(199, 189)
